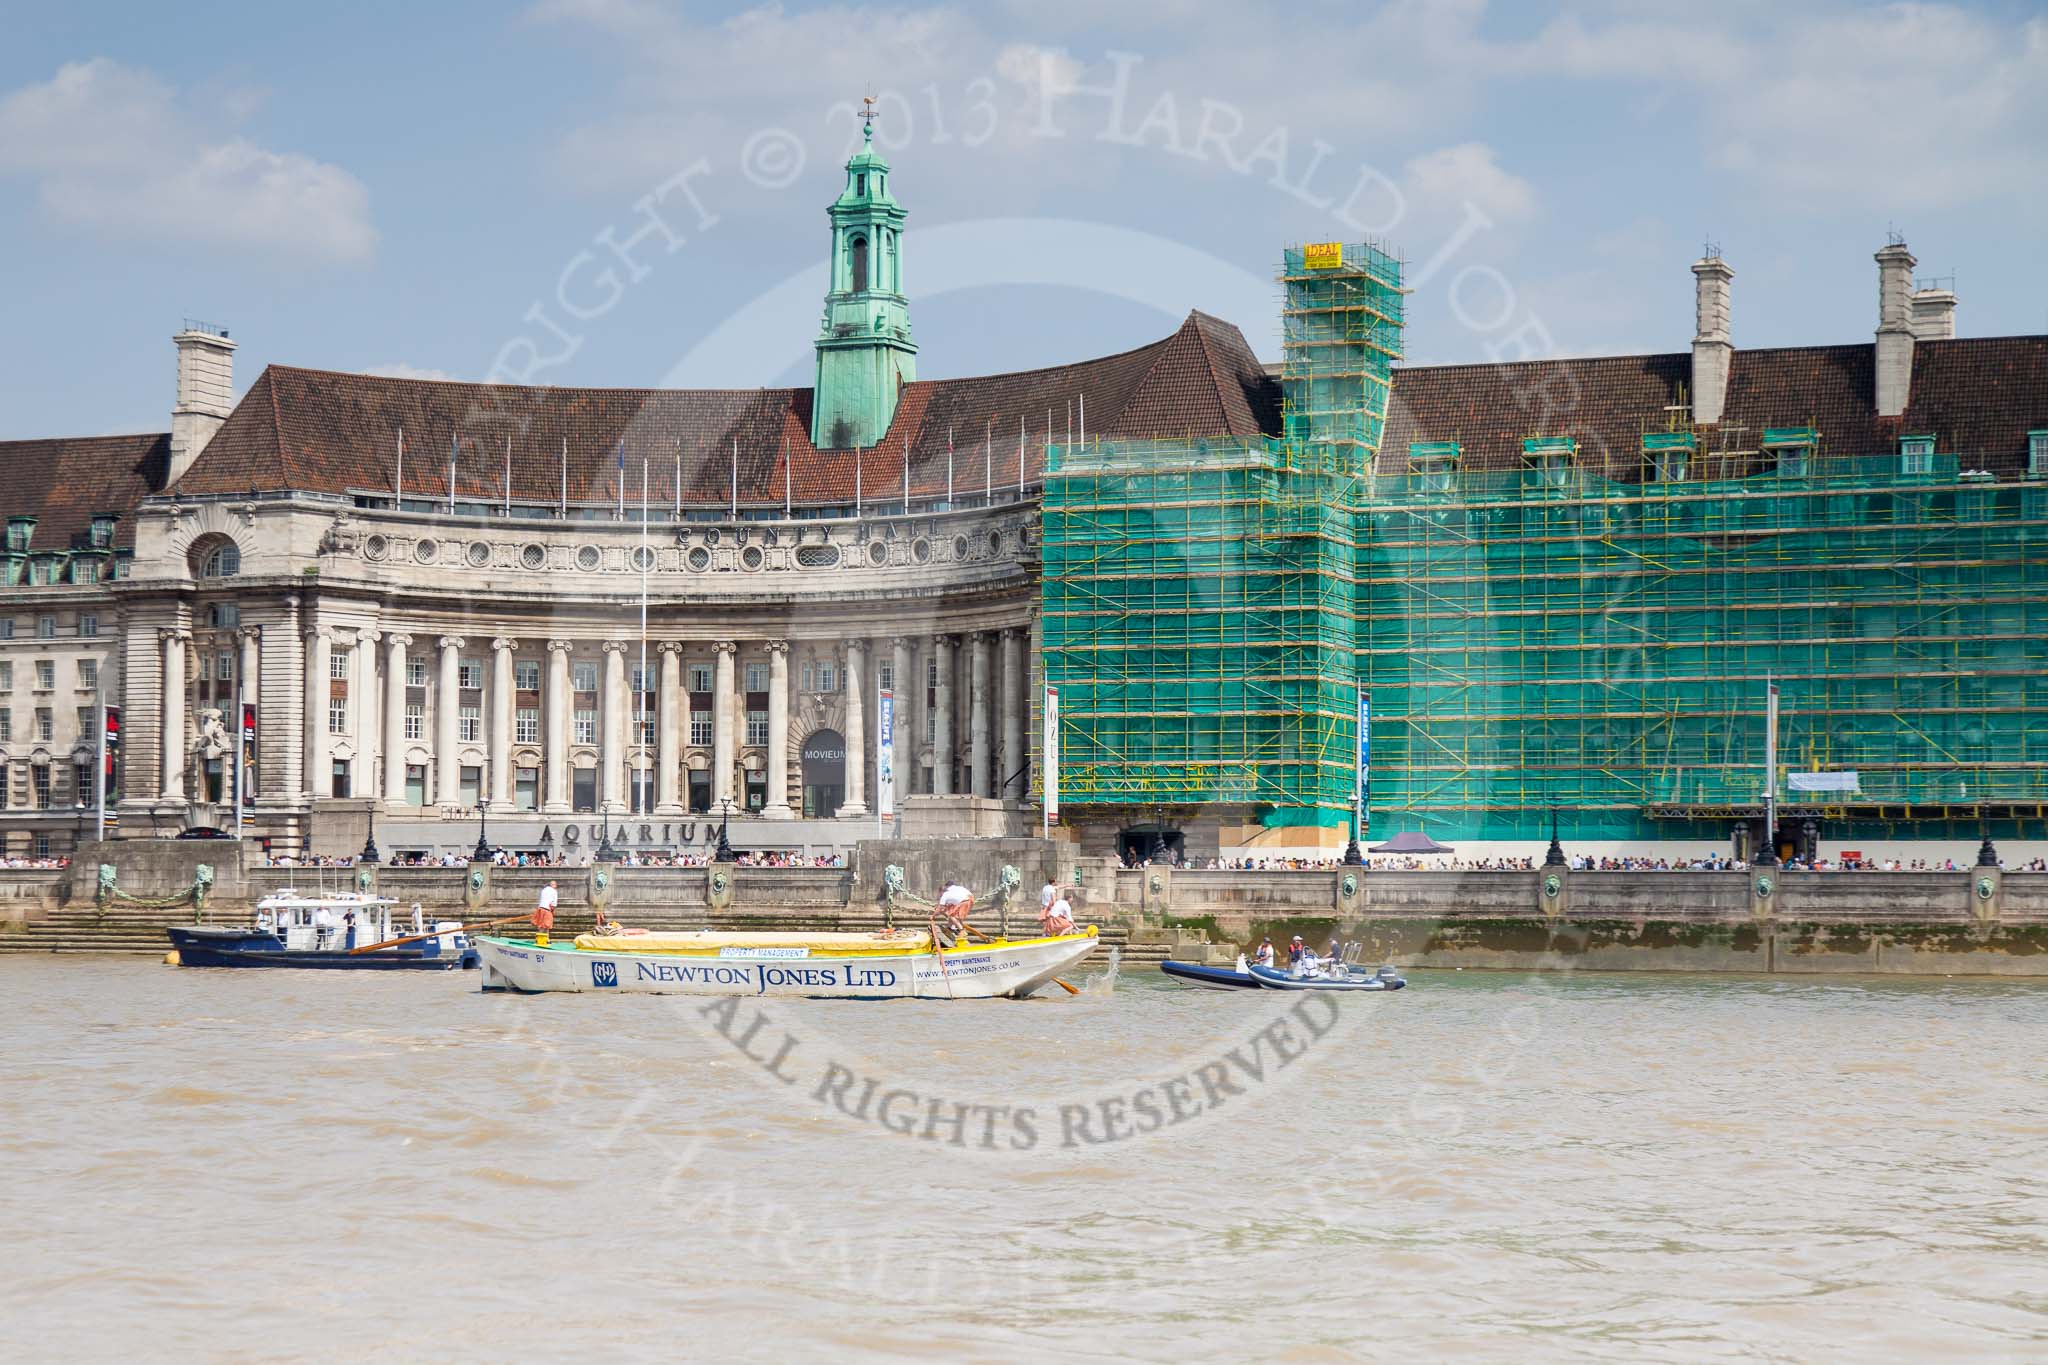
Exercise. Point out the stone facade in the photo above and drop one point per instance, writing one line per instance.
(431, 665)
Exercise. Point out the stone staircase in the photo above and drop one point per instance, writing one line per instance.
(81, 928)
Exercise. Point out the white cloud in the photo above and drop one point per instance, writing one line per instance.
(115, 149)
(1873, 105)
(398, 369)
(1469, 174)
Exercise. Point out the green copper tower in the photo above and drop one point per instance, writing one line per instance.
(865, 354)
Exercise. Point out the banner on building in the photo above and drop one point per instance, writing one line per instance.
(1364, 788)
(1824, 782)
(1051, 751)
(1323, 255)
(885, 755)
(1770, 739)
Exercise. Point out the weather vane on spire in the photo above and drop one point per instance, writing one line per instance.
(867, 114)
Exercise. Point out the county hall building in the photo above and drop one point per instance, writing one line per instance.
(576, 614)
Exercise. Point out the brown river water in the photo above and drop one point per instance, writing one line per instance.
(273, 1165)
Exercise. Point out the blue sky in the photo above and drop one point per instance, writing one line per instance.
(626, 192)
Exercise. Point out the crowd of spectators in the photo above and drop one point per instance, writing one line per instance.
(1715, 862)
(503, 857)
(35, 862)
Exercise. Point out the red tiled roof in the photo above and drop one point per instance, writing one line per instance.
(1978, 396)
(313, 429)
(64, 482)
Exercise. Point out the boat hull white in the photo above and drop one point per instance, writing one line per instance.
(969, 972)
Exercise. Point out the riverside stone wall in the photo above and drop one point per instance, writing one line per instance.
(1973, 922)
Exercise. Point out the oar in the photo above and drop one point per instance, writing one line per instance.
(458, 929)
(986, 939)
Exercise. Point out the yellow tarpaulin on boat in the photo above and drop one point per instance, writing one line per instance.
(710, 944)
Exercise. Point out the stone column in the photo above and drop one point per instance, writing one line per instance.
(362, 703)
(1014, 769)
(558, 703)
(501, 723)
(319, 771)
(251, 665)
(447, 762)
(612, 757)
(904, 659)
(777, 807)
(942, 717)
(173, 642)
(856, 729)
(980, 754)
(394, 718)
(668, 731)
(722, 747)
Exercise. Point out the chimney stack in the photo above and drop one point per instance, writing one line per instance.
(1712, 350)
(1894, 328)
(1934, 314)
(206, 392)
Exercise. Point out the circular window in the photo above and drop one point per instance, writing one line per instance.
(959, 547)
(878, 553)
(375, 548)
(995, 542)
(921, 550)
(534, 556)
(700, 559)
(479, 553)
(817, 556)
(587, 557)
(424, 551)
(751, 557)
(643, 557)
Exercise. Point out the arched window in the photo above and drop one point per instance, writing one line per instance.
(222, 561)
(859, 272)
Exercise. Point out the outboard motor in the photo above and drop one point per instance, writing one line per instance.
(1387, 972)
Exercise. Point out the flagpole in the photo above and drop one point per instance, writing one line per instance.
(398, 479)
(101, 819)
(640, 791)
(454, 445)
(679, 478)
(735, 478)
(1083, 399)
(620, 514)
(906, 473)
(788, 471)
(949, 469)
(563, 510)
(508, 474)
(988, 464)
(236, 764)
(1020, 454)
(856, 483)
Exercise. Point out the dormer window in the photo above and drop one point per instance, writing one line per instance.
(1435, 463)
(19, 530)
(1668, 453)
(1916, 454)
(1551, 458)
(225, 561)
(102, 532)
(1792, 448)
(2037, 454)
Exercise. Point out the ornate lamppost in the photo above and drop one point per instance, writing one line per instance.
(370, 853)
(1554, 856)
